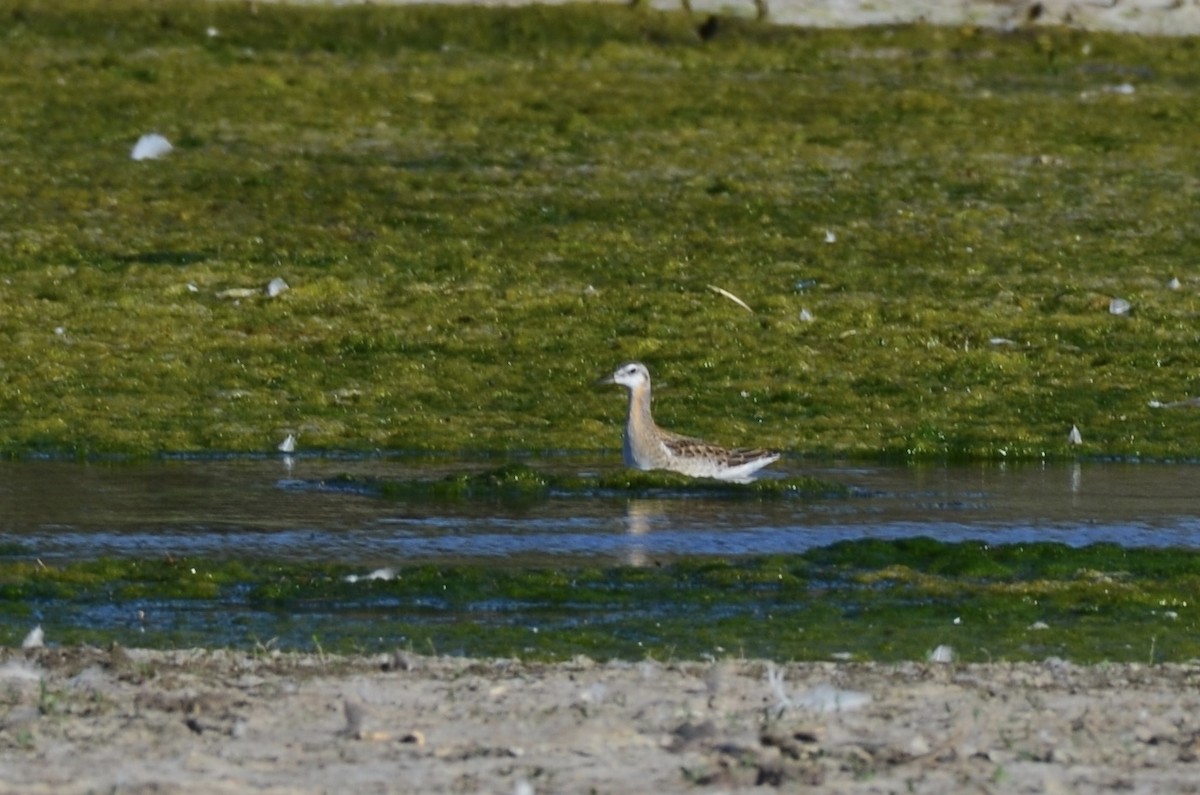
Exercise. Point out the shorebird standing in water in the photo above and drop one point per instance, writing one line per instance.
(648, 446)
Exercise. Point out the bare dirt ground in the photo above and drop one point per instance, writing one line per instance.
(1153, 17)
(132, 721)
(1150, 17)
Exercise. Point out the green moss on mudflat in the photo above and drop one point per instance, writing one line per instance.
(869, 600)
(518, 482)
(481, 210)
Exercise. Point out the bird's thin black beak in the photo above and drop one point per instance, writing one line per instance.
(608, 379)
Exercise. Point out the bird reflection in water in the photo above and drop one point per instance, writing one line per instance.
(641, 517)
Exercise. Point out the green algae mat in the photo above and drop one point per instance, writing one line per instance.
(863, 600)
(943, 244)
(479, 211)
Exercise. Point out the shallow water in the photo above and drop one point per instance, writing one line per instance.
(174, 522)
(283, 509)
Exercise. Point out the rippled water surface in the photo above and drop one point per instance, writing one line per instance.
(290, 509)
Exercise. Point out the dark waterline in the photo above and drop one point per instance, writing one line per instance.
(277, 508)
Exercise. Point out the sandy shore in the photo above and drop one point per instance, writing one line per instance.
(87, 720)
(1150, 17)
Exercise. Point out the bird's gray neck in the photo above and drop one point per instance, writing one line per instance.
(639, 428)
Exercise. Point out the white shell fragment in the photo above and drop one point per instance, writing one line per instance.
(1119, 306)
(150, 147)
(825, 698)
(806, 316)
(378, 574)
(942, 654)
(276, 287)
(830, 237)
(820, 698)
(1192, 402)
(1074, 437)
(1174, 283)
(288, 445)
(35, 639)
(238, 293)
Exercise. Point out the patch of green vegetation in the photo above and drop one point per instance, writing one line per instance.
(480, 210)
(871, 600)
(518, 482)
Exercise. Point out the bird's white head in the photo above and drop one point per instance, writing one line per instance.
(633, 375)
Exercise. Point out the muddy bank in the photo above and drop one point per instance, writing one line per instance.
(1165, 18)
(85, 720)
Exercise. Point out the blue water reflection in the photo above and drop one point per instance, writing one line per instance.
(271, 509)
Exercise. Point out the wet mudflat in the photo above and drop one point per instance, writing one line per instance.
(1090, 561)
(317, 509)
(921, 656)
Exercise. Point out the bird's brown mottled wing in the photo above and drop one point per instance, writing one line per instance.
(687, 447)
(746, 455)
